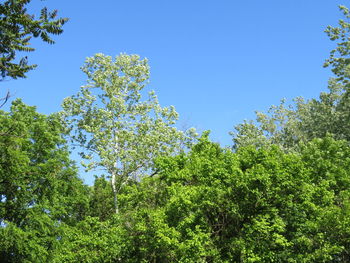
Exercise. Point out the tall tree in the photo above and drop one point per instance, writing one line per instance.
(17, 27)
(39, 186)
(118, 131)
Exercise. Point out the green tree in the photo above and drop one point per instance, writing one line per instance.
(255, 205)
(118, 131)
(39, 187)
(288, 125)
(17, 27)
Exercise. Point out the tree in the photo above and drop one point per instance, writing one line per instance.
(118, 131)
(302, 121)
(17, 27)
(255, 205)
(39, 187)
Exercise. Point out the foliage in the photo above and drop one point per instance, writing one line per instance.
(92, 241)
(101, 199)
(287, 126)
(17, 27)
(256, 205)
(118, 131)
(39, 188)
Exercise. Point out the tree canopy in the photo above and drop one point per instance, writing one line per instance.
(39, 186)
(117, 130)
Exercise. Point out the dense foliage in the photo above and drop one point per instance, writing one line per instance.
(212, 205)
(39, 186)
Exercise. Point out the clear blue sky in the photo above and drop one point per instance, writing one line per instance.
(215, 61)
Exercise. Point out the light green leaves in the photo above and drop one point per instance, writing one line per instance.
(39, 187)
(118, 129)
(255, 205)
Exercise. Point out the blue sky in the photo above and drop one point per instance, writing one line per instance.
(215, 61)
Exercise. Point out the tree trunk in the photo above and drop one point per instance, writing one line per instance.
(115, 192)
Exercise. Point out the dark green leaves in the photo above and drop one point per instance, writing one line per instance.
(17, 27)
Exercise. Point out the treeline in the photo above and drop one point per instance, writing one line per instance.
(280, 194)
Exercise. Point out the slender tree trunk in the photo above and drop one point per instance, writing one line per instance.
(115, 192)
(114, 174)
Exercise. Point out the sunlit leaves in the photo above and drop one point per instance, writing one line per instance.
(39, 187)
(256, 205)
(117, 129)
